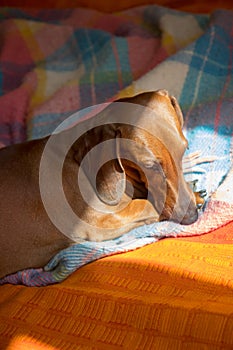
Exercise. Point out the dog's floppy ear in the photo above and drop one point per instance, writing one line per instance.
(99, 150)
(111, 178)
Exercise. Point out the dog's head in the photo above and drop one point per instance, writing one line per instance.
(141, 156)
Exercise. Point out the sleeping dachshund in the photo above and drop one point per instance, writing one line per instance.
(119, 172)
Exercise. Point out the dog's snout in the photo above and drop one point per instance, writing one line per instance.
(185, 216)
(190, 216)
(185, 210)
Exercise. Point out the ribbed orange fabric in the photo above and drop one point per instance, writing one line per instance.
(174, 294)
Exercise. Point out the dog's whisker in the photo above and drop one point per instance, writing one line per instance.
(191, 156)
(191, 162)
(194, 170)
(195, 158)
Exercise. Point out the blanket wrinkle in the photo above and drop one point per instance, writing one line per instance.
(141, 51)
(81, 53)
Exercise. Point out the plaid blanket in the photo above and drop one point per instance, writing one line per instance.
(55, 62)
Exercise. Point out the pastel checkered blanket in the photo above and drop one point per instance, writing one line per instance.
(54, 62)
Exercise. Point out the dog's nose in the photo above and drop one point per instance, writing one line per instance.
(190, 216)
(185, 213)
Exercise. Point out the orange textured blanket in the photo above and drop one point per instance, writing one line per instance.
(174, 294)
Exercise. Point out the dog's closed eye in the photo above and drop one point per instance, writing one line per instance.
(154, 165)
(151, 164)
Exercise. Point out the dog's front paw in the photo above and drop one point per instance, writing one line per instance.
(199, 195)
(200, 198)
